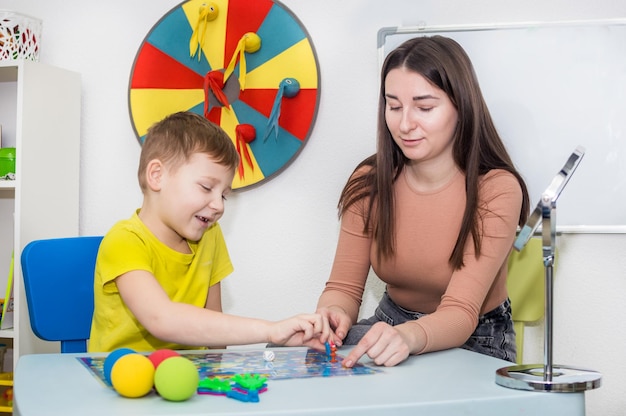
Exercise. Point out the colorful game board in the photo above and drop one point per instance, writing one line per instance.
(288, 363)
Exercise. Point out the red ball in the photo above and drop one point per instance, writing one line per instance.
(158, 356)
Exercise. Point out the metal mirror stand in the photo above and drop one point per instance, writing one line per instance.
(548, 376)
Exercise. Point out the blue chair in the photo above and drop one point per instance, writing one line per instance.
(58, 282)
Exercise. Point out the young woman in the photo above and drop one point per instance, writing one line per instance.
(434, 213)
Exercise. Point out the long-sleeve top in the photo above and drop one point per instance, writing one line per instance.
(419, 276)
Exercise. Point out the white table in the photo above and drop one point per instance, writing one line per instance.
(452, 382)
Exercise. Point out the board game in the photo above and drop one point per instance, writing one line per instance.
(287, 363)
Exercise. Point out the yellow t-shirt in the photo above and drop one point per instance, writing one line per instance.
(186, 278)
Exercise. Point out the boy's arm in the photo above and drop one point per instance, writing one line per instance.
(177, 322)
(186, 324)
(214, 303)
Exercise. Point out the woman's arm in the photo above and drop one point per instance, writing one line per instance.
(481, 284)
(341, 299)
(481, 279)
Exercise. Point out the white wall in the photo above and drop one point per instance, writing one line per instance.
(282, 234)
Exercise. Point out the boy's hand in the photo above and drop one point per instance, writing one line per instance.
(305, 329)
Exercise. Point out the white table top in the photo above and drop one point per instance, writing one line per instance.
(449, 382)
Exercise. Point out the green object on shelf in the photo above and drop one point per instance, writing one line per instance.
(6, 317)
(7, 160)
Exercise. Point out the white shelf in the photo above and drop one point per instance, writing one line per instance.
(40, 116)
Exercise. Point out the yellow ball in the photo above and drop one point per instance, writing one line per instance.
(176, 379)
(132, 375)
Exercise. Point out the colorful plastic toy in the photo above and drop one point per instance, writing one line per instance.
(242, 387)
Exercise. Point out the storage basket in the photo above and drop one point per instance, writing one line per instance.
(20, 36)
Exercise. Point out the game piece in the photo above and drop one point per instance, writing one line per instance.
(132, 375)
(249, 381)
(214, 385)
(269, 355)
(176, 379)
(242, 387)
(331, 351)
(243, 396)
(111, 359)
(159, 355)
(246, 387)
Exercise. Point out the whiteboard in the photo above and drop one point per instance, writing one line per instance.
(552, 87)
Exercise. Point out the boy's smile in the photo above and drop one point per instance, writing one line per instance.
(189, 199)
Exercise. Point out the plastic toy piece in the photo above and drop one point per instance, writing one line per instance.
(244, 396)
(289, 87)
(250, 381)
(249, 42)
(331, 351)
(207, 13)
(245, 133)
(214, 386)
(7, 396)
(242, 387)
(214, 83)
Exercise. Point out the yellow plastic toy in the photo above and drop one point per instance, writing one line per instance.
(526, 287)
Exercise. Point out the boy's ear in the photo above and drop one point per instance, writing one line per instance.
(154, 174)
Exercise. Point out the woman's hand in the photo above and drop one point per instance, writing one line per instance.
(340, 322)
(385, 344)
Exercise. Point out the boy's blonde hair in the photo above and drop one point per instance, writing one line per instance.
(175, 138)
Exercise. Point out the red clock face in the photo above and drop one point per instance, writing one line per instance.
(247, 65)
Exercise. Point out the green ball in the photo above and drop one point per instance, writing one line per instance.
(176, 379)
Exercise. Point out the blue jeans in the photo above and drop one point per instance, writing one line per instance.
(493, 336)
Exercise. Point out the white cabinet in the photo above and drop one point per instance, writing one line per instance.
(40, 116)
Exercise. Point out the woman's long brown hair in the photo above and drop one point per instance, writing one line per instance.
(477, 147)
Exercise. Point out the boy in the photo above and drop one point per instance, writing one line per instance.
(158, 273)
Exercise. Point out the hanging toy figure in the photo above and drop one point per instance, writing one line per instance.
(245, 133)
(208, 12)
(214, 83)
(250, 42)
(289, 87)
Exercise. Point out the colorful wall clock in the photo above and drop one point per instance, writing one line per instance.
(247, 65)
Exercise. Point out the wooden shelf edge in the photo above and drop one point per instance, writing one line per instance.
(7, 333)
(7, 184)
